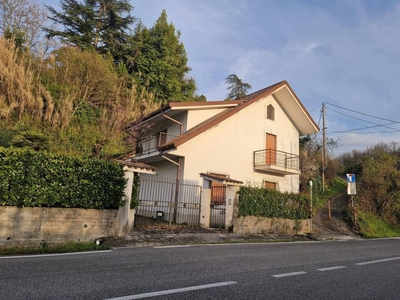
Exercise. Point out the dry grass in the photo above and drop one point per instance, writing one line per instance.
(19, 88)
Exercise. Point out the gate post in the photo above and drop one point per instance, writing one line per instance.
(126, 215)
(205, 204)
(231, 200)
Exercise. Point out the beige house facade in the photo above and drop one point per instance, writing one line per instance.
(254, 140)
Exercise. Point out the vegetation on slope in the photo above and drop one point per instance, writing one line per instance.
(78, 98)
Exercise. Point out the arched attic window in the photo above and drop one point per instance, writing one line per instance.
(270, 112)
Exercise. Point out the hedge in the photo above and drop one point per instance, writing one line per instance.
(261, 202)
(36, 179)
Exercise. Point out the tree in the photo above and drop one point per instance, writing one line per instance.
(160, 62)
(94, 24)
(237, 88)
(380, 182)
(22, 20)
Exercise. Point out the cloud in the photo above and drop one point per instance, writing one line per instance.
(341, 52)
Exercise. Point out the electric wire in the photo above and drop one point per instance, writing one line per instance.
(364, 114)
(377, 125)
(314, 108)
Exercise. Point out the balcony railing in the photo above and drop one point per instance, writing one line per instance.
(274, 161)
(152, 143)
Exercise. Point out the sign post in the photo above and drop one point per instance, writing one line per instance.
(351, 187)
(311, 205)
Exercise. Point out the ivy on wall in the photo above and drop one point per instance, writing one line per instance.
(37, 179)
(261, 202)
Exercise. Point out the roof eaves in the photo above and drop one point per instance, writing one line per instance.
(147, 117)
(209, 123)
(136, 165)
(221, 179)
(302, 107)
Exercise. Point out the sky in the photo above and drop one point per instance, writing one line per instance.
(344, 53)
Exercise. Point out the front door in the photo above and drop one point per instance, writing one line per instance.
(270, 153)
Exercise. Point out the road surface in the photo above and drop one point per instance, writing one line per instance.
(354, 269)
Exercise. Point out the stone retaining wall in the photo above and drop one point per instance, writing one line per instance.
(261, 225)
(29, 226)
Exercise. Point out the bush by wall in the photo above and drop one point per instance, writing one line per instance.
(36, 179)
(261, 202)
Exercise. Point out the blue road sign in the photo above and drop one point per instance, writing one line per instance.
(351, 177)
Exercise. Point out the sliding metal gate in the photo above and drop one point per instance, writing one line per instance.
(160, 200)
(218, 206)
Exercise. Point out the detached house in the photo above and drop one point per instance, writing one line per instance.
(253, 140)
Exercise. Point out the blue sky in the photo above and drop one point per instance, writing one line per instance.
(343, 52)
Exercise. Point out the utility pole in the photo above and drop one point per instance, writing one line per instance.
(323, 146)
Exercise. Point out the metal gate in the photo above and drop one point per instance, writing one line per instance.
(161, 201)
(218, 206)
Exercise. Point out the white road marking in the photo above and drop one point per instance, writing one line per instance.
(331, 268)
(174, 291)
(377, 261)
(289, 274)
(176, 246)
(55, 254)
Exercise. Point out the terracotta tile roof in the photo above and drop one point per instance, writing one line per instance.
(136, 165)
(203, 126)
(177, 105)
(221, 178)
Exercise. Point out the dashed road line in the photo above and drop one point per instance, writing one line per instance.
(332, 268)
(377, 261)
(174, 246)
(175, 291)
(289, 274)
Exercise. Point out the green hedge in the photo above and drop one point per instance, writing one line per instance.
(36, 179)
(261, 202)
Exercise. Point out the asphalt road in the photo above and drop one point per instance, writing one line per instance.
(355, 269)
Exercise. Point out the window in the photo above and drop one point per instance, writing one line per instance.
(269, 185)
(162, 138)
(270, 112)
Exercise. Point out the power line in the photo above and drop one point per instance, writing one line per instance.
(314, 108)
(383, 125)
(320, 115)
(364, 114)
(345, 120)
(363, 128)
(364, 133)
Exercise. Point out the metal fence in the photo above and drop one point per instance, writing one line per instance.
(152, 143)
(278, 158)
(163, 200)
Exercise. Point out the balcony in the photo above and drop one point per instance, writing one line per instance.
(152, 144)
(276, 162)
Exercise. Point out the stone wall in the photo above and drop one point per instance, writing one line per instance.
(29, 226)
(261, 225)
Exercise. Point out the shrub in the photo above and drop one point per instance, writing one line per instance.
(261, 202)
(29, 178)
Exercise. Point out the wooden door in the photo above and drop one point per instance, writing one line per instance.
(270, 185)
(218, 193)
(270, 153)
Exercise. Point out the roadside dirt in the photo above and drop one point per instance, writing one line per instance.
(324, 228)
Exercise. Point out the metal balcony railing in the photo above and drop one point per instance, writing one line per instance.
(275, 158)
(152, 143)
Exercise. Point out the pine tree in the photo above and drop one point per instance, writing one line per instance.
(160, 62)
(94, 24)
(237, 88)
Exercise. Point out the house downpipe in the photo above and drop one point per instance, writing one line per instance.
(178, 175)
